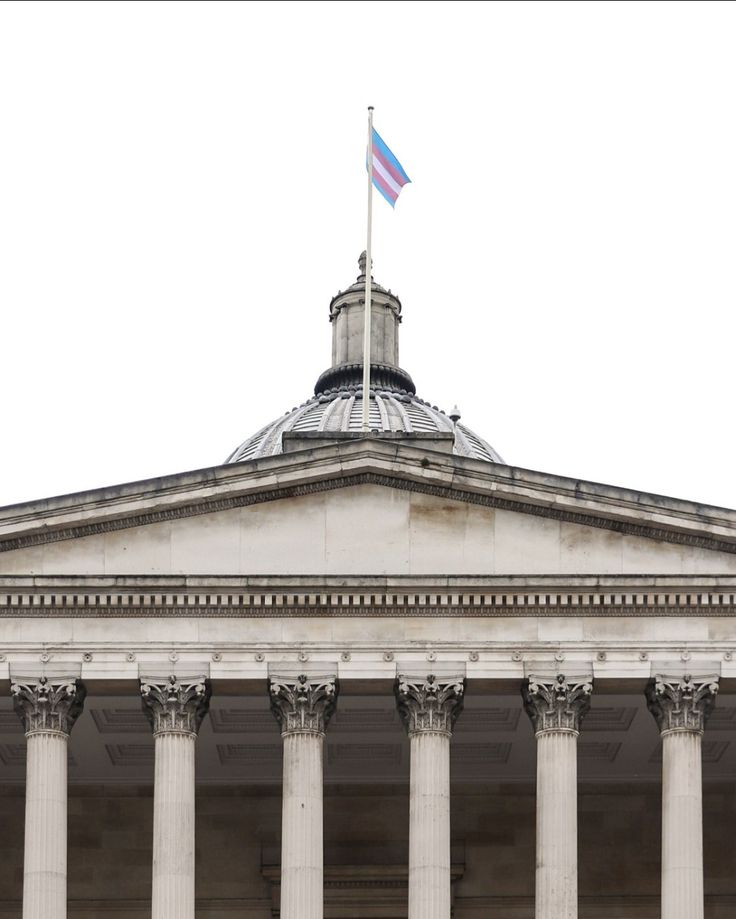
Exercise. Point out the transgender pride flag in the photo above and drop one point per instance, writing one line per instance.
(388, 173)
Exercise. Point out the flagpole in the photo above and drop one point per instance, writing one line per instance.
(368, 270)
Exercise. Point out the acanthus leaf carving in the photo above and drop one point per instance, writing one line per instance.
(681, 703)
(47, 704)
(302, 703)
(431, 703)
(556, 704)
(175, 706)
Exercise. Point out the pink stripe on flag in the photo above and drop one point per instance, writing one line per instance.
(389, 167)
(387, 190)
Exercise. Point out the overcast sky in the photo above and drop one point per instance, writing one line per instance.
(182, 191)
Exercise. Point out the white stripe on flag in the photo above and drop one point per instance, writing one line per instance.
(386, 176)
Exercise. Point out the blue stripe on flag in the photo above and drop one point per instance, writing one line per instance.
(383, 193)
(381, 145)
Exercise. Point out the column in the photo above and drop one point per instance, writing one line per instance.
(429, 706)
(48, 708)
(556, 708)
(175, 708)
(681, 706)
(303, 706)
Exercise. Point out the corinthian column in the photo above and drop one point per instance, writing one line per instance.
(429, 706)
(681, 706)
(48, 708)
(556, 708)
(303, 706)
(175, 708)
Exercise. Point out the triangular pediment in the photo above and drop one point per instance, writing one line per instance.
(366, 507)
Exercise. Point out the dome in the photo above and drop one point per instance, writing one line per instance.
(337, 404)
(390, 412)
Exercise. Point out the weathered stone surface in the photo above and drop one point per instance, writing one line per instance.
(174, 705)
(474, 516)
(681, 706)
(45, 856)
(681, 703)
(302, 702)
(48, 704)
(555, 704)
(429, 703)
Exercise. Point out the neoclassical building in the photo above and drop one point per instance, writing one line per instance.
(367, 676)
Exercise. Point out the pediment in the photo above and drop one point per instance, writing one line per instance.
(366, 508)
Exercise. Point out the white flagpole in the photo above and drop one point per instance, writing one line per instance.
(368, 270)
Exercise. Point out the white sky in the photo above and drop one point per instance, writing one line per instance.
(182, 191)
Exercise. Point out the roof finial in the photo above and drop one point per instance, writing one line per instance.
(361, 265)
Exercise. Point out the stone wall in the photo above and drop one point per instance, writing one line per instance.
(400, 532)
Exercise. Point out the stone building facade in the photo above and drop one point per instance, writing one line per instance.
(367, 676)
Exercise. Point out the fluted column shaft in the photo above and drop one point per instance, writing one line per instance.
(556, 707)
(303, 706)
(557, 825)
(429, 706)
(682, 826)
(173, 827)
(302, 860)
(175, 708)
(48, 709)
(429, 826)
(681, 706)
(45, 856)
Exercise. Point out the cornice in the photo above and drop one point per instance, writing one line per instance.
(368, 462)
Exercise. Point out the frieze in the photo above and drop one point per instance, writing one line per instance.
(371, 603)
(661, 534)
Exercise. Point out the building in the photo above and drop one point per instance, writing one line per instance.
(415, 681)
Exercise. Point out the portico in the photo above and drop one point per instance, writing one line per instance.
(498, 773)
(335, 638)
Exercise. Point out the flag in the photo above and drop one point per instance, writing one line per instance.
(388, 173)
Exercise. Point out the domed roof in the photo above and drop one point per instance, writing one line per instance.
(389, 412)
(337, 404)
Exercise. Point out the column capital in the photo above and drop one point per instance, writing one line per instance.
(48, 704)
(429, 703)
(555, 703)
(681, 703)
(302, 703)
(175, 705)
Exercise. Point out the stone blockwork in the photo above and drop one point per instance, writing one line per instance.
(110, 834)
(314, 532)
